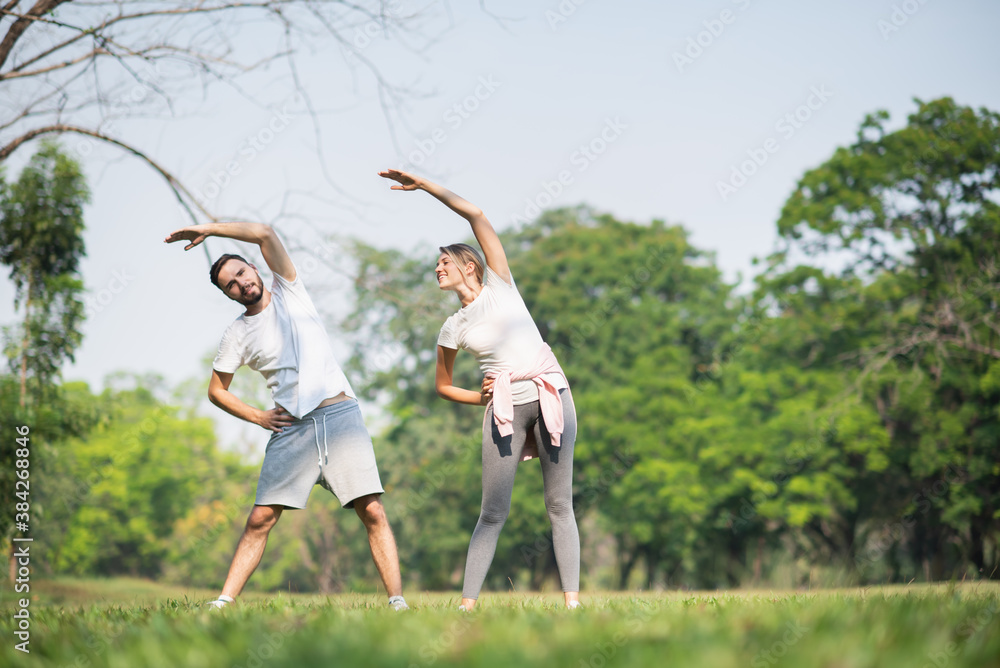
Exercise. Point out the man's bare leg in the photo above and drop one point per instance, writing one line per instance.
(380, 539)
(250, 548)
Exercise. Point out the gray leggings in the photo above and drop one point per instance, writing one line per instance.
(501, 456)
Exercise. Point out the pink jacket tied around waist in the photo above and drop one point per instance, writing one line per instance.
(549, 401)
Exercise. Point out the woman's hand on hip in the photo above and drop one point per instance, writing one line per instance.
(487, 391)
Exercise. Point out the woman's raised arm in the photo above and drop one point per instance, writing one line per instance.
(487, 237)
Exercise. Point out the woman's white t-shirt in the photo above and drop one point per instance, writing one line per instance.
(498, 330)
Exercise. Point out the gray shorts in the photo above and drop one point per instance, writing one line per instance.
(329, 446)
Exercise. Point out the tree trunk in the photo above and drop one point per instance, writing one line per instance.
(758, 561)
(627, 564)
(735, 560)
(24, 354)
(976, 552)
(548, 569)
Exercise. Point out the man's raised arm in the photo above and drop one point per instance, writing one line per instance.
(263, 235)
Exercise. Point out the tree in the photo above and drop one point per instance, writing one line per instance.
(914, 213)
(81, 68)
(41, 240)
(632, 312)
(127, 484)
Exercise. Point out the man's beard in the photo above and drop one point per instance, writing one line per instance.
(260, 294)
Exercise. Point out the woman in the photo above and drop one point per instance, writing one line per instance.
(529, 408)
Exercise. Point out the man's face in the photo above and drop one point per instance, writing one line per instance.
(241, 282)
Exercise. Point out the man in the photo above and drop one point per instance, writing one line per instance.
(318, 435)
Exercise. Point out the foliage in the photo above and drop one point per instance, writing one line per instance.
(41, 241)
(843, 420)
(833, 427)
(134, 477)
(911, 326)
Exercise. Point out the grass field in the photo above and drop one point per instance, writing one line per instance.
(128, 623)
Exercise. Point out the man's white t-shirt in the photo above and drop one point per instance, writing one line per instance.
(498, 330)
(288, 344)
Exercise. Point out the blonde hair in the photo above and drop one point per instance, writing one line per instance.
(461, 255)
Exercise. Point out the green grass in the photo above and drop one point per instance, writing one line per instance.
(129, 623)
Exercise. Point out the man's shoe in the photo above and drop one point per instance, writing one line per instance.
(220, 602)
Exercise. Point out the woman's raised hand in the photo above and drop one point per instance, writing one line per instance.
(405, 181)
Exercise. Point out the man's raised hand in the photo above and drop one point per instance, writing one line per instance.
(193, 234)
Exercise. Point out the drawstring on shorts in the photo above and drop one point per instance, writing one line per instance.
(326, 446)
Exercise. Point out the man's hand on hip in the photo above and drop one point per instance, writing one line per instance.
(275, 419)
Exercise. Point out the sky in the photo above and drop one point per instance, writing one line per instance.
(638, 109)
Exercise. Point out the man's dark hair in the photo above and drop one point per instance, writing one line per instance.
(213, 273)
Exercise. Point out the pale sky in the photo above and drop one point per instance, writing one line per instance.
(505, 112)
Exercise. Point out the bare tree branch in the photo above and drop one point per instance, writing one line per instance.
(183, 195)
(85, 65)
(15, 73)
(22, 23)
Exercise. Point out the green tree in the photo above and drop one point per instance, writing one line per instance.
(631, 311)
(129, 482)
(840, 421)
(41, 241)
(913, 217)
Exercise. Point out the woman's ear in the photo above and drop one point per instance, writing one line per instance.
(470, 268)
